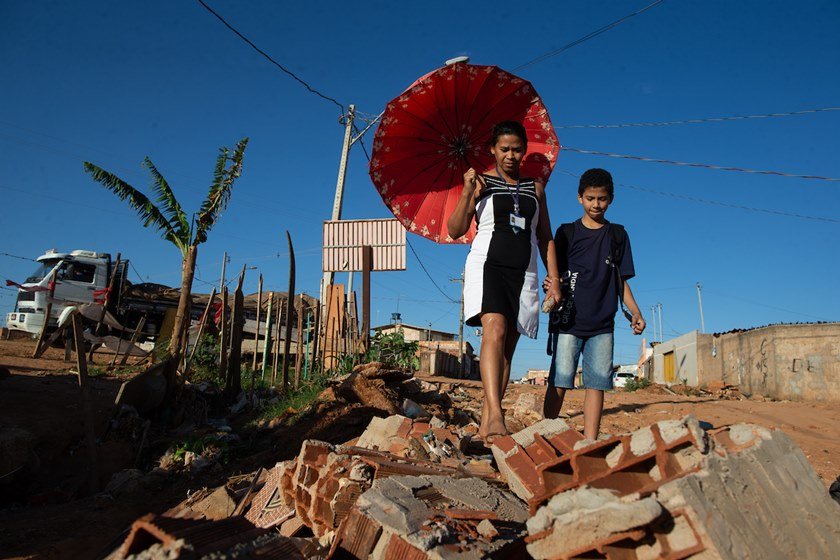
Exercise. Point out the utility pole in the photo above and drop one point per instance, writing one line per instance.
(653, 315)
(224, 264)
(461, 350)
(700, 302)
(339, 185)
(661, 331)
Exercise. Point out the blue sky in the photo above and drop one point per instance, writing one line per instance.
(112, 82)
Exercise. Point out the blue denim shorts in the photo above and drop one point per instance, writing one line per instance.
(597, 354)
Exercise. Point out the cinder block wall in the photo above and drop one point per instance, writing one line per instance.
(795, 362)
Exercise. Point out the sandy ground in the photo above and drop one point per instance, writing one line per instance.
(48, 517)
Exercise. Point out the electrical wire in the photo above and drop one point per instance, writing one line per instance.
(702, 165)
(410, 246)
(270, 59)
(17, 257)
(362, 140)
(134, 268)
(588, 36)
(717, 202)
(704, 120)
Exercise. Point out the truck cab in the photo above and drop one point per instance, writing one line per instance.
(77, 276)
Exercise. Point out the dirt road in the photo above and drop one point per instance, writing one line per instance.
(44, 517)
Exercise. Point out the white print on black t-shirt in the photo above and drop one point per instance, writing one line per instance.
(567, 309)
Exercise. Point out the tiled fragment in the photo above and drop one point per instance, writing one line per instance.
(429, 517)
(270, 506)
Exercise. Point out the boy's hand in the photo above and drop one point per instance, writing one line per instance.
(638, 323)
(551, 287)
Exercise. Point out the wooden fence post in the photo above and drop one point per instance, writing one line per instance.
(278, 315)
(134, 336)
(105, 304)
(233, 385)
(267, 342)
(290, 305)
(259, 311)
(223, 337)
(299, 348)
(87, 410)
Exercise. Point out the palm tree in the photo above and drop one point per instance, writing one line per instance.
(169, 219)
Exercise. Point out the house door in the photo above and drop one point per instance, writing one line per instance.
(668, 367)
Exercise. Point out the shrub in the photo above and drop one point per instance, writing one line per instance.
(636, 383)
(393, 350)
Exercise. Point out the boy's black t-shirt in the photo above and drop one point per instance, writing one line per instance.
(592, 282)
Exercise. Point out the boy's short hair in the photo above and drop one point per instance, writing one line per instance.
(596, 177)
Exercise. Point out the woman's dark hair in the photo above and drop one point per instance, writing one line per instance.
(596, 178)
(509, 127)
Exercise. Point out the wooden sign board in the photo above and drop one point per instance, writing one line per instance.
(343, 240)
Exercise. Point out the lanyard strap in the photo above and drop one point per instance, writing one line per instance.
(513, 193)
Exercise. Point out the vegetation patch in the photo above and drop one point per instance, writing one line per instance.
(636, 383)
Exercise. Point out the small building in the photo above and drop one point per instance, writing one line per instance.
(536, 377)
(438, 350)
(413, 333)
(783, 361)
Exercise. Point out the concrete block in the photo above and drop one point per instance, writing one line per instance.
(761, 501)
(574, 520)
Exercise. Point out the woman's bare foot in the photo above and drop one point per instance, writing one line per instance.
(492, 426)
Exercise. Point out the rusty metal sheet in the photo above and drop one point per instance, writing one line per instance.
(344, 239)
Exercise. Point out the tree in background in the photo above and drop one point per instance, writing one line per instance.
(167, 216)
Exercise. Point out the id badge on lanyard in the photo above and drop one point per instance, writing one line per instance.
(516, 220)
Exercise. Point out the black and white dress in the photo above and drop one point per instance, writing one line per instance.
(500, 275)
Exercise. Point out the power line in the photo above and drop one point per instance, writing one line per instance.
(134, 268)
(410, 246)
(704, 120)
(18, 257)
(703, 165)
(588, 36)
(270, 59)
(361, 139)
(717, 202)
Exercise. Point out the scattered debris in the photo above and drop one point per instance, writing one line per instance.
(406, 517)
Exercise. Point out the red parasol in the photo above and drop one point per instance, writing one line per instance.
(440, 127)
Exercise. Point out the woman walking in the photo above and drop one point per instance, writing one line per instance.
(500, 276)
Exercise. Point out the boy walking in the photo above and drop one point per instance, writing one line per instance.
(595, 259)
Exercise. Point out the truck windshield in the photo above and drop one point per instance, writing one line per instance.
(45, 268)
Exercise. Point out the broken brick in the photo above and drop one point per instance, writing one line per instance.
(407, 516)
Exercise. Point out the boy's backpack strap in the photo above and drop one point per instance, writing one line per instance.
(619, 236)
(618, 239)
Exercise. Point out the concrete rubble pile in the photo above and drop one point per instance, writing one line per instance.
(415, 488)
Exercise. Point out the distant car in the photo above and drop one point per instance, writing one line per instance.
(620, 379)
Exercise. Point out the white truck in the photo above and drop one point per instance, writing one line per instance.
(80, 277)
